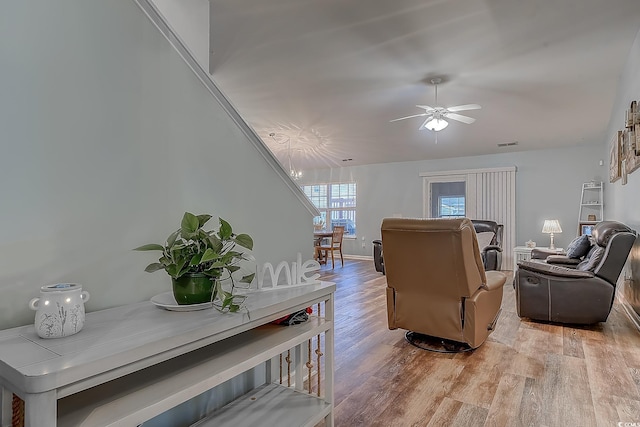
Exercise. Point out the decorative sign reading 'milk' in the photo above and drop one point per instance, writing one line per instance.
(294, 274)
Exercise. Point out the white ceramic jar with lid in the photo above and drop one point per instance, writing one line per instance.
(59, 310)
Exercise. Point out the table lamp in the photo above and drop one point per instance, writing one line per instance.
(551, 226)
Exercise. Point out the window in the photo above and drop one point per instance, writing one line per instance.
(450, 206)
(336, 203)
(446, 196)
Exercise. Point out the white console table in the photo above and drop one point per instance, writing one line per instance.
(134, 362)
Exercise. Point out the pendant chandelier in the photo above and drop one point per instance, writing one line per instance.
(280, 139)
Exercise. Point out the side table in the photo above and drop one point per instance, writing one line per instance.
(523, 253)
(133, 362)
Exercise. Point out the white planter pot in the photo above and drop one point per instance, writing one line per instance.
(59, 310)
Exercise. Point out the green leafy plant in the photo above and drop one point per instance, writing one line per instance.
(191, 249)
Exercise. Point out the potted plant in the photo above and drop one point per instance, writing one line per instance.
(199, 261)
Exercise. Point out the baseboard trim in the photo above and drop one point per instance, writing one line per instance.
(360, 257)
(629, 311)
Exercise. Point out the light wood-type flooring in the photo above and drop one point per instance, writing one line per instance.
(525, 374)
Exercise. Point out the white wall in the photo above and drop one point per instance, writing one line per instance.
(622, 202)
(107, 138)
(548, 185)
(190, 20)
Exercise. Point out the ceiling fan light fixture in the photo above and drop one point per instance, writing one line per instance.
(435, 116)
(436, 125)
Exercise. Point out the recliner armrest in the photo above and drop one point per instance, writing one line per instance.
(492, 248)
(539, 253)
(495, 280)
(562, 259)
(554, 270)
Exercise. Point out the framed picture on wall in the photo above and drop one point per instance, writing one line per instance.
(615, 157)
(631, 150)
(585, 228)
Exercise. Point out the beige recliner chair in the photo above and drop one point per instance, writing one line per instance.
(436, 282)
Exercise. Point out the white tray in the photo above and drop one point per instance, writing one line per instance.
(168, 302)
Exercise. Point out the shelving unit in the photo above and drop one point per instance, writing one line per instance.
(269, 405)
(591, 203)
(132, 363)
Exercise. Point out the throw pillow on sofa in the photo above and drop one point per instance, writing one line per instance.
(579, 247)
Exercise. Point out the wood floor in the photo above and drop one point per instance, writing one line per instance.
(525, 374)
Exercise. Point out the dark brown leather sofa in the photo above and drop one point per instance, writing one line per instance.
(561, 290)
(436, 282)
(378, 259)
(491, 254)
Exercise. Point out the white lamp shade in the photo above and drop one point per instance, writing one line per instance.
(551, 226)
(436, 124)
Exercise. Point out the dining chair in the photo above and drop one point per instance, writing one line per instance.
(322, 251)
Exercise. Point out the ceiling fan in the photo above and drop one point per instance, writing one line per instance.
(435, 116)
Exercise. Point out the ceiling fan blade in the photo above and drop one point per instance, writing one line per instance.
(409, 117)
(426, 107)
(464, 107)
(460, 118)
(423, 125)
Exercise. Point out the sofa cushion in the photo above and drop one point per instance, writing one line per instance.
(579, 247)
(484, 239)
(592, 259)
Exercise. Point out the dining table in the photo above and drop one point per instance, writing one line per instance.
(318, 235)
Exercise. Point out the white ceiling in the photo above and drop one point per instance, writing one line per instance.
(330, 74)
